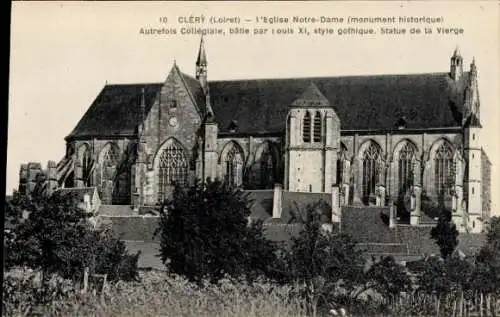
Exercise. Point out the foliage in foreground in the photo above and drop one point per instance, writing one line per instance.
(159, 294)
(445, 234)
(205, 234)
(57, 237)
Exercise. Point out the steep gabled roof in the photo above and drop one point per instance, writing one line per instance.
(195, 89)
(361, 102)
(115, 111)
(261, 105)
(311, 95)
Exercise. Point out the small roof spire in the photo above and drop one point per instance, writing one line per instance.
(142, 105)
(473, 68)
(202, 56)
(143, 96)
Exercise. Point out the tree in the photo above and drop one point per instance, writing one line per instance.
(52, 233)
(445, 233)
(205, 233)
(321, 260)
(488, 259)
(387, 277)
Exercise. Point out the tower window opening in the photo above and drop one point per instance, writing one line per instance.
(317, 127)
(306, 128)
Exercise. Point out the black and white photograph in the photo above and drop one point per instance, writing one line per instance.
(253, 158)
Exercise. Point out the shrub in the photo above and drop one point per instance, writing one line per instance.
(326, 263)
(205, 233)
(445, 233)
(56, 237)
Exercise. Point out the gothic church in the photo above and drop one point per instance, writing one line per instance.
(412, 141)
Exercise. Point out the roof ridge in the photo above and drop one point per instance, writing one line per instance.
(331, 77)
(133, 84)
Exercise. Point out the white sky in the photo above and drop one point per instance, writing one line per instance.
(63, 53)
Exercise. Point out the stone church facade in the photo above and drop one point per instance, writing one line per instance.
(413, 141)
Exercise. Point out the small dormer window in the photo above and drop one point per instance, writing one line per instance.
(233, 126)
(401, 123)
(173, 104)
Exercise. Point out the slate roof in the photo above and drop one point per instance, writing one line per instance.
(261, 105)
(473, 122)
(196, 91)
(361, 102)
(297, 202)
(261, 203)
(115, 111)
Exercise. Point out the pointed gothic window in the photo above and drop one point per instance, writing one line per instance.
(234, 166)
(341, 157)
(306, 128)
(371, 162)
(86, 167)
(266, 168)
(109, 160)
(317, 127)
(444, 176)
(405, 167)
(172, 168)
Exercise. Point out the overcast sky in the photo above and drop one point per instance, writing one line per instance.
(62, 54)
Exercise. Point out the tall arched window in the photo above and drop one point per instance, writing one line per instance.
(266, 163)
(371, 165)
(444, 169)
(172, 168)
(84, 157)
(86, 167)
(341, 157)
(234, 166)
(306, 127)
(406, 157)
(109, 160)
(317, 127)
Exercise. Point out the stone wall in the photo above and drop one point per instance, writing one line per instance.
(118, 191)
(174, 115)
(486, 185)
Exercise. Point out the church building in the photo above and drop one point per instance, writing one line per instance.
(411, 141)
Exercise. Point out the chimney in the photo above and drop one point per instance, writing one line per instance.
(277, 200)
(52, 177)
(86, 201)
(392, 216)
(336, 211)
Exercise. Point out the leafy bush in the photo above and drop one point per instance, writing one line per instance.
(57, 237)
(388, 278)
(205, 233)
(445, 233)
(326, 263)
(23, 292)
